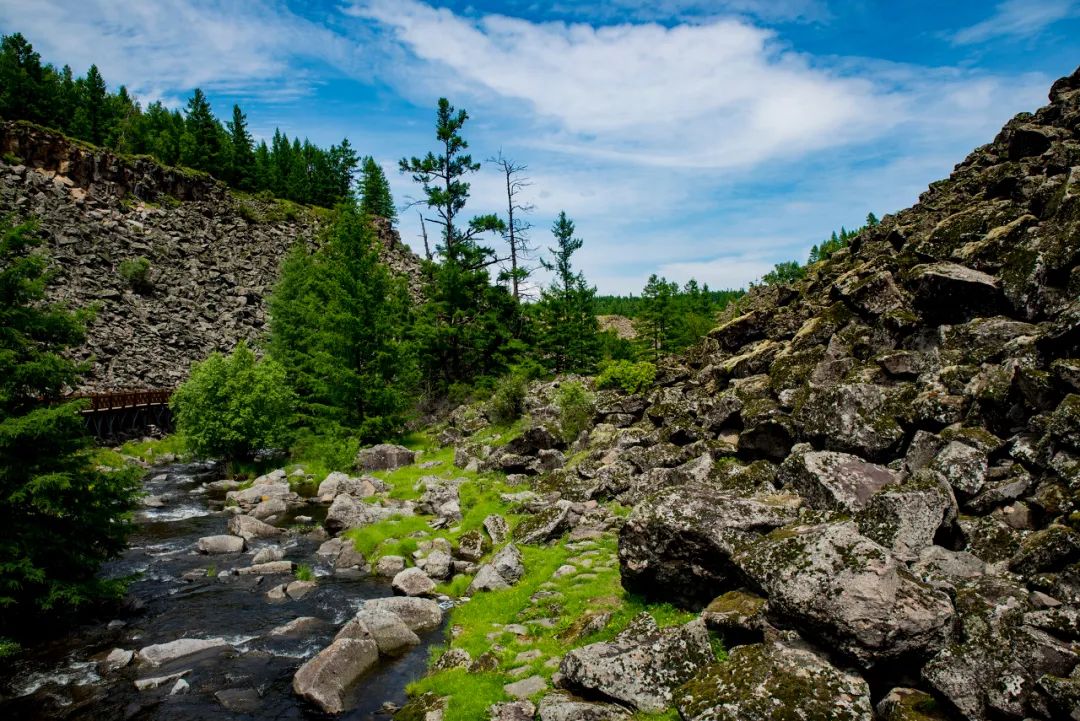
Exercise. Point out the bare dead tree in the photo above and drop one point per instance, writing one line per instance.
(423, 231)
(517, 229)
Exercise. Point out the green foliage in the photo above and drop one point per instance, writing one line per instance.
(304, 572)
(84, 109)
(152, 451)
(232, 406)
(9, 648)
(508, 400)
(375, 197)
(782, 273)
(467, 328)
(629, 377)
(655, 324)
(320, 451)
(576, 409)
(569, 332)
(60, 516)
(136, 273)
(339, 327)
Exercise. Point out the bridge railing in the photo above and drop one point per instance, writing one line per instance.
(116, 400)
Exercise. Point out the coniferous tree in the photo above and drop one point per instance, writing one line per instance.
(339, 324)
(375, 197)
(657, 323)
(60, 516)
(466, 327)
(242, 156)
(569, 331)
(21, 81)
(201, 146)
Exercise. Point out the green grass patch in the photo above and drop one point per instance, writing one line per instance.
(392, 537)
(152, 450)
(304, 572)
(471, 694)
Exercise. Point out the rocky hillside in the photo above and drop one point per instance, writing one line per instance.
(212, 255)
(868, 483)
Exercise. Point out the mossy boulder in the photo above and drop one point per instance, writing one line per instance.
(853, 418)
(774, 682)
(909, 704)
(834, 481)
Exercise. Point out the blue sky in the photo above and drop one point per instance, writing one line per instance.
(694, 138)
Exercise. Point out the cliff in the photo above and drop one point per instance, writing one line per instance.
(213, 255)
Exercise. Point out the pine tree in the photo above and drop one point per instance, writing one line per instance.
(60, 516)
(242, 157)
(201, 149)
(375, 197)
(569, 333)
(657, 322)
(21, 76)
(344, 161)
(95, 93)
(339, 324)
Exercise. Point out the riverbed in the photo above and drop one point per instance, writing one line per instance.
(179, 593)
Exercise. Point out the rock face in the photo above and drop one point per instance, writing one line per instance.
(214, 256)
(384, 457)
(642, 666)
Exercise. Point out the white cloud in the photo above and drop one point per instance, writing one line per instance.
(158, 49)
(1018, 19)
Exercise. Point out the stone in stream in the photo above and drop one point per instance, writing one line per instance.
(220, 544)
(146, 684)
(117, 658)
(272, 568)
(160, 653)
(248, 528)
(413, 582)
(419, 614)
(268, 554)
(270, 508)
(389, 631)
(298, 589)
(642, 666)
(297, 626)
(389, 566)
(325, 678)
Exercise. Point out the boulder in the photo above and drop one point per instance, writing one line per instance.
(642, 666)
(737, 616)
(855, 418)
(389, 566)
(439, 565)
(951, 293)
(326, 677)
(549, 524)
(677, 545)
(486, 579)
(413, 582)
(161, 653)
(268, 554)
(840, 588)
(472, 546)
(770, 681)
(390, 633)
(564, 707)
(419, 614)
(269, 509)
(908, 704)
(220, 544)
(834, 481)
(1050, 549)
(497, 528)
(346, 512)
(906, 519)
(384, 457)
(271, 568)
(512, 711)
(963, 467)
(507, 563)
(248, 528)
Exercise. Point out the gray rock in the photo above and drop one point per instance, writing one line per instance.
(325, 678)
(642, 666)
(152, 682)
(526, 687)
(471, 546)
(438, 565)
(384, 457)
(249, 528)
(220, 544)
(270, 508)
(453, 658)
(271, 568)
(298, 589)
(297, 626)
(413, 582)
(117, 659)
(419, 614)
(390, 633)
(943, 568)
(486, 579)
(268, 554)
(547, 525)
(389, 566)
(497, 528)
(564, 707)
(162, 653)
(834, 481)
(905, 519)
(951, 293)
(512, 711)
(239, 700)
(678, 544)
(851, 594)
(508, 564)
(963, 467)
(346, 512)
(337, 483)
(764, 682)
(180, 687)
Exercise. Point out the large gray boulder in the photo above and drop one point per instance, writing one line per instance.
(387, 629)
(841, 589)
(905, 519)
(642, 666)
(384, 457)
(419, 614)
(857, 418)
(770, 681)
(678, 544)
(834, 481)
(162, 653)
(214, 545)
(413, 582)
(248, 528)
(560, 706)
(951, 293)
(337, 483)
(326, 678)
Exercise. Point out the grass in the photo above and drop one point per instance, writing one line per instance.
(392, 537)
(304, 572)
(150, 451)
(9, 648)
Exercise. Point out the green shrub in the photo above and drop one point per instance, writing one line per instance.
(576, 409)
(304, 572)
(136, 273)
(630, 377)
(232, 406)
(508, 400)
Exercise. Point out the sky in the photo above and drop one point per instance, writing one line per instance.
(703, 139)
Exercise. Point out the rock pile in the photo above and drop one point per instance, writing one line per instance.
(213, 255)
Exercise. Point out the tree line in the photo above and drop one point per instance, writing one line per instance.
(84, 108)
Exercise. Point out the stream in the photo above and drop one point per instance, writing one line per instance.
(61, 678)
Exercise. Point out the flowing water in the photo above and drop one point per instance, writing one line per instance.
(250, 678)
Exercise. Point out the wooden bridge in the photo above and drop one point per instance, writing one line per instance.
(121, 414)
